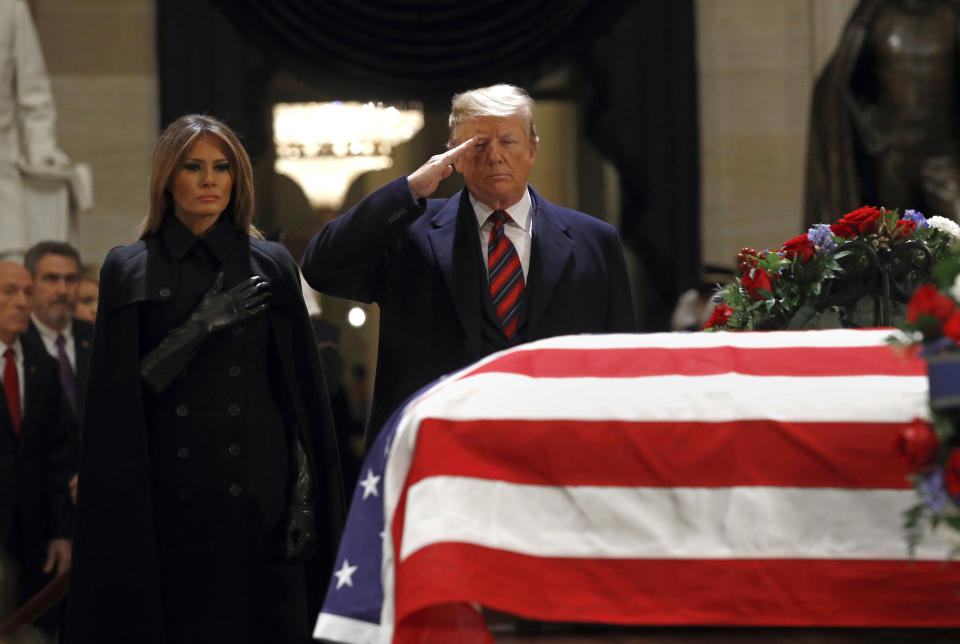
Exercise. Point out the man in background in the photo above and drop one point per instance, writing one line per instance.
(35, 459)
(55, 267)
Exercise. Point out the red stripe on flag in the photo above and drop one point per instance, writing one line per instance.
(636, 362)
(750, 592)
(662, 454)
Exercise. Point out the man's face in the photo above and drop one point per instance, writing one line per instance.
(496, 168)
(55, 291)
(16, 291)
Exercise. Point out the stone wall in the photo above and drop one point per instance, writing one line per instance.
(758, 61)
(101, 59)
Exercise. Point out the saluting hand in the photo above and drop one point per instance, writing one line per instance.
(425, 180)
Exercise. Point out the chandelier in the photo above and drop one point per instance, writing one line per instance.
(325, 146)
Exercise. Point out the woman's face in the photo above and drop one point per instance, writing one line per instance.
(201, 186)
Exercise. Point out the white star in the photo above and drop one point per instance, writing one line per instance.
(369, 485)
(345, 575)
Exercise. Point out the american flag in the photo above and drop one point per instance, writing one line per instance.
(659, 479)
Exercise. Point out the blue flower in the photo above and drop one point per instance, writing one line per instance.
(917, 216)
(932, 491)
(821, 238)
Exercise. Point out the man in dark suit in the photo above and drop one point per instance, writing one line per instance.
(55, 267)
(457, 279)
(35, 511)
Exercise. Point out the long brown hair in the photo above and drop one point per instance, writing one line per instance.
(168, 156)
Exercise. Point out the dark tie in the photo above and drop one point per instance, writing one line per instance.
(11, 388)
(66, 372)
(506, 275)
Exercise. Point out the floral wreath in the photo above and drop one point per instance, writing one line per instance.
(818, 279)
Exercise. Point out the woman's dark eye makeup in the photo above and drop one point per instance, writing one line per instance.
(193, 166)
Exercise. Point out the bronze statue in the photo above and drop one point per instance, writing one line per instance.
(884, 118)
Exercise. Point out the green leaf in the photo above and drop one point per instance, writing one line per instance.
(952, 521)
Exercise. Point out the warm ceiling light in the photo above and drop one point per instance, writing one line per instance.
(325, 146)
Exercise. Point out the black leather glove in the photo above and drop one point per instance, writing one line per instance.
(219, 310)
(298, 542)
(216, 311)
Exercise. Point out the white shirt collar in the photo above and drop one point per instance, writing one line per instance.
(519, 212)
(17, 350)
(50, 335)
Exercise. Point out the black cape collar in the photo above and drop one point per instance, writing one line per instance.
(179, 239)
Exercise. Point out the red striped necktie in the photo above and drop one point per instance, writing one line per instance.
(506, 275)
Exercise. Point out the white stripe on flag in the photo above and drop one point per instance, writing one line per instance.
(661, 523)
(345, 629)
(717, 398)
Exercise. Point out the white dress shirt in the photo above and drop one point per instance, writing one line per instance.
(49, 337)
(18, 360)
(518, 229)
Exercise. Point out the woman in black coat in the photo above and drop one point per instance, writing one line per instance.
(209, 466)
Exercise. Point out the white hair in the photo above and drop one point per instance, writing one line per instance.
(497, 100)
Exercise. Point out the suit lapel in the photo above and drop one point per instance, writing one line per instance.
(454, 241)
(32, 392)
(551, 251)
(81, 343)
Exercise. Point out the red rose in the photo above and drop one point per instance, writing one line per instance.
(861, 221)
(905, 228)
(720, 317)
(754, 281)
(918, 444)
(799, 245)
(927, 300)
(951, 473)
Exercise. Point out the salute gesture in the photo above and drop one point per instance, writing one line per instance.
(425, 179)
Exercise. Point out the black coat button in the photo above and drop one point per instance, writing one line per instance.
(165, 292)
(234, 449)
(234, 370)
(184, 494)
(235, 490)
(233, 409)
(183, 452)
(182, 410)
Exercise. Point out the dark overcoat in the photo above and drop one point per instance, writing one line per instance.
(116, 587)
(420, 260)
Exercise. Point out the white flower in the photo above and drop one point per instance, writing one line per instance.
(945, 225)
(955, 289)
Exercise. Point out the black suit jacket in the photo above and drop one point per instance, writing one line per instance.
(82, 341)
(36, 466)
(421, 262)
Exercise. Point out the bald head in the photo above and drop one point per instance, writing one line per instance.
(16, 289)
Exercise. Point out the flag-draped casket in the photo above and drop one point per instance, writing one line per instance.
(712, 478)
